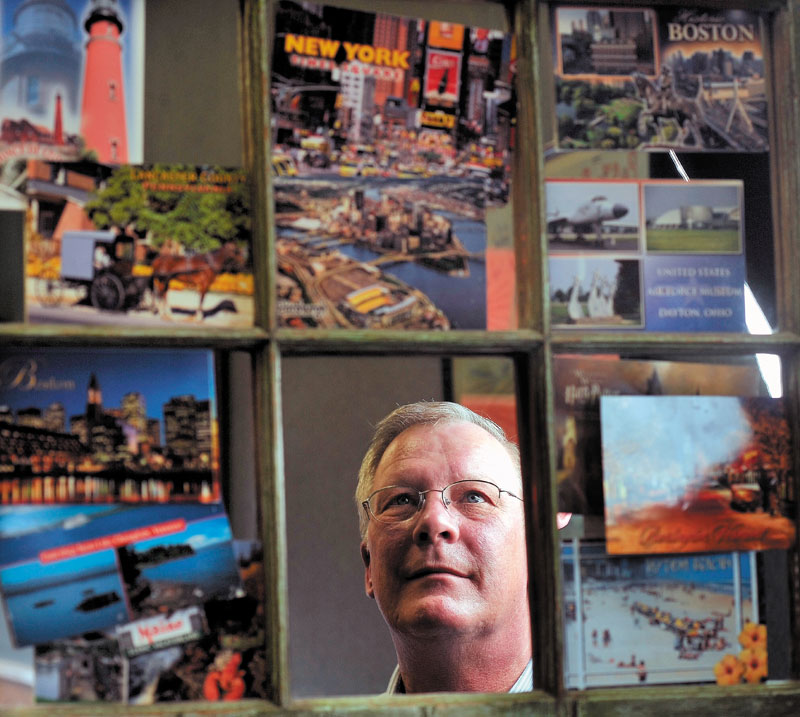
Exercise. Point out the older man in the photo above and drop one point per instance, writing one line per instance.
(443, 545)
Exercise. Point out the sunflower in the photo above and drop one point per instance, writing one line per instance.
(753, 636)
(755, 664)
(729, 670)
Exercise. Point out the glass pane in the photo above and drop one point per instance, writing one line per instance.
(341, 644)
(657, 191)
(679, 478)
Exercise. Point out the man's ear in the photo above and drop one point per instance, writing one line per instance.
(367, 575)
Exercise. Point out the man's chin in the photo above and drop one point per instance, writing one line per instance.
(434, 615)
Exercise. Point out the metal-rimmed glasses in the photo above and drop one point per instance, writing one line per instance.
(471, 499)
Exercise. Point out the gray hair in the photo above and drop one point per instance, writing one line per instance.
(416, 414)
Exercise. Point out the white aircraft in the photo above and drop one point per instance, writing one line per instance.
(587, 217)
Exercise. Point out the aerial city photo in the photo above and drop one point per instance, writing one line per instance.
(391, 139)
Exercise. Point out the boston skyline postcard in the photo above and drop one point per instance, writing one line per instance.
(99, 566)
(392, 138)
(108, 425)
(72, 78)
(696, 474)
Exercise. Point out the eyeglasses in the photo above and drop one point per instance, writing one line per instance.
(471, 499)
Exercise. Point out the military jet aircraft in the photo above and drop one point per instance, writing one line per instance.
(586, 218)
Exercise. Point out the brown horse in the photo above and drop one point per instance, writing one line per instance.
(197, 271)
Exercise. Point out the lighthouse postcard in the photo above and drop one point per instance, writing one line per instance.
(71, 80)
(108, 425)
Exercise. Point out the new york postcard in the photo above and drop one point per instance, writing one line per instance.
(392, 137)
(108, 425)
(696, 474)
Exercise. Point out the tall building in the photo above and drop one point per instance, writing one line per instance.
(103, 124)
(55, 417)
(31, 417)
(391, 32)
(134, 415)
(180, 428)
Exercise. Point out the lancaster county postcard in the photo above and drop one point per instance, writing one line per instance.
(392, 139)
(72, 80)
(137, 245)
(665, 78)
(69, 570)
(581, 381)
(696, 474)
(652, 620)
(108, 425)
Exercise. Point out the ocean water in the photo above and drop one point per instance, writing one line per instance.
(61, 618)
(212, 569)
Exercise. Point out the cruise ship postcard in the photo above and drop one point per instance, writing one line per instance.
(687, 79)
(696, 474)
(152, 245)
(108, 425)
(392, 138)
(653, 620)
(68, 570)
(72, 79)
(579, 383)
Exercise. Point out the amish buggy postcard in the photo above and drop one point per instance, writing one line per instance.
(696, 473)
(136, 245)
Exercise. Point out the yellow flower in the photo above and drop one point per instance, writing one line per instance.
(729, 670)
(755, 664)
(753, 635)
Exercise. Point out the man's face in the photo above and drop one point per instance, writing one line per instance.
(440, 572)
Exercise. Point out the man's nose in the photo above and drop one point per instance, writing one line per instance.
(434, 521)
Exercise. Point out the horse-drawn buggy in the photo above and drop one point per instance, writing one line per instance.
(103, 263)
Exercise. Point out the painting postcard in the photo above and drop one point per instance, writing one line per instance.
(392, 138)
(591, 291)
(581, 381)
(108, 425)
(69, 570)
(136, 245)
(696, 473)
(653, 620)
(642, 78)
(71, 80)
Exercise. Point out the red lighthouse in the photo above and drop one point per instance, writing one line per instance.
(103, 106)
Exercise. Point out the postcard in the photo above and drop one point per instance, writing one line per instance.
(66, 571)
(652, 620)
(580, 382)
(385, 172)
(144, 245)
(696, 473)
(687, 240)
(213, 651)
(108, 425)
(666, 78)
(72, 81)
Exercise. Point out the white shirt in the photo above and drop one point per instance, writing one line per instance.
(524, 682)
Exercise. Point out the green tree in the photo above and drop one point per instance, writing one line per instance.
(157, 206)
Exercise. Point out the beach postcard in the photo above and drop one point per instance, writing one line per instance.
(696, 473)
(69, 570)
(653, 620)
